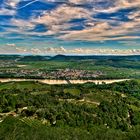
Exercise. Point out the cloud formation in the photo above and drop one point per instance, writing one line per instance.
(70, 20)
(78, 51)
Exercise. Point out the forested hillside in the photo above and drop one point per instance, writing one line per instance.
(31, 110)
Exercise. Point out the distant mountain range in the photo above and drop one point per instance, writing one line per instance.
(67, 58)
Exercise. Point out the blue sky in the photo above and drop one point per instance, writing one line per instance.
(70, 26)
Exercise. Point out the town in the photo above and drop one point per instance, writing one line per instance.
(72, 74)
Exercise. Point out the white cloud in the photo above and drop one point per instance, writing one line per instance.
(35, 51)
(80, 1)
(12, 3)
(117, 5)
(22, 25)
(83, 51)
(11, 44)
(56, 20)
(4, 11)
(21, 50)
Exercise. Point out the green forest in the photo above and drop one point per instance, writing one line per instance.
(32, 110)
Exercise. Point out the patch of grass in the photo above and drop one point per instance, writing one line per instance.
(73, 91)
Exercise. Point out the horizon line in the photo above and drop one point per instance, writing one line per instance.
(16, 54)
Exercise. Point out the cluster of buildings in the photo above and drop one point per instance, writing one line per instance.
(5, 64)
(75, 74)
(54, 74)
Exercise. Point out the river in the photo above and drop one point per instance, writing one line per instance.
(47, 81)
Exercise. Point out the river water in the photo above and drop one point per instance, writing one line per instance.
(47, 81)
